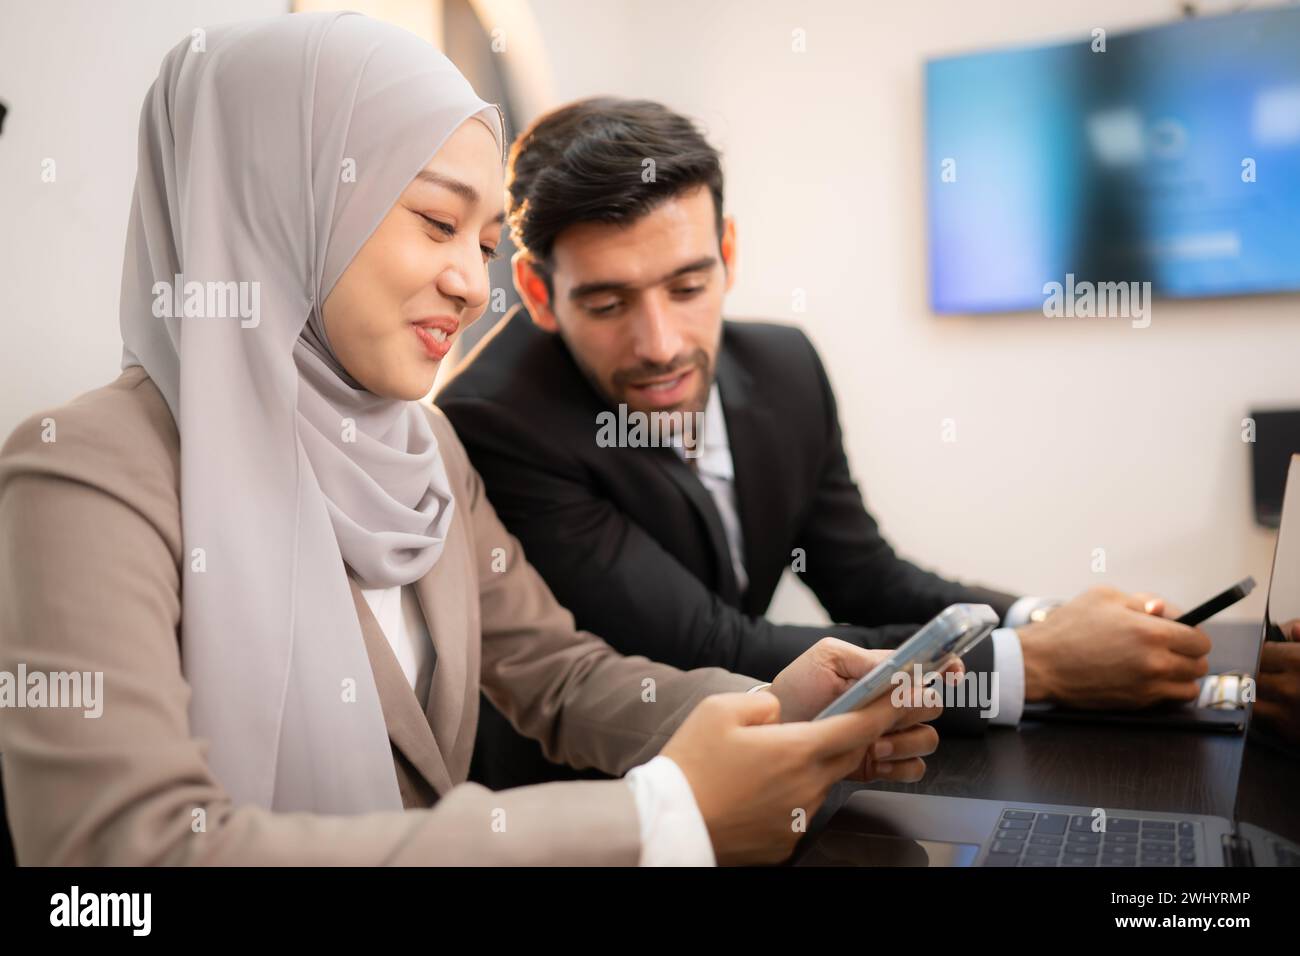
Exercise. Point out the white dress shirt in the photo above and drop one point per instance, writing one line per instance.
(717, 472)
(397, 611)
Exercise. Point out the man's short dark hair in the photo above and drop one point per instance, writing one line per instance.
(587, 162)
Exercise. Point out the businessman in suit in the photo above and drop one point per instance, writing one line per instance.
(673, 549)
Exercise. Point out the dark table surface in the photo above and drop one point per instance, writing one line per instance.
(1124, 767)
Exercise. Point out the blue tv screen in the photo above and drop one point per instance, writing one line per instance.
(1169, 155)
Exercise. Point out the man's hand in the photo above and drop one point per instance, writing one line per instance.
(758, 781)
(1277, 702)
(1107, 649)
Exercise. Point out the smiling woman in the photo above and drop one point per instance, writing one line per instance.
(421, 277)
(301, 624)
(286, 570)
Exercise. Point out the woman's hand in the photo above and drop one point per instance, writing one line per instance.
(758, 779)
(827, 669)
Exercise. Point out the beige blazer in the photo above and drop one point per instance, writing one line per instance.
(90, 577)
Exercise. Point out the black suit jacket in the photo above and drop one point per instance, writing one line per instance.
(630, 541)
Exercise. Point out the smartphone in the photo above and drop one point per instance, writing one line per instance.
(953, 632)
(1220, 602)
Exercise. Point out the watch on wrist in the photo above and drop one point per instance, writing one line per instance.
(1040, 614)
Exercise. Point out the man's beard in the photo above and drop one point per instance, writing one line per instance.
(622, 379)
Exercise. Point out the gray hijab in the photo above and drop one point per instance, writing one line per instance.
(269, 152)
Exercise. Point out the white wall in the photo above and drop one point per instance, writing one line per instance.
(74, 74)
(1071, 434)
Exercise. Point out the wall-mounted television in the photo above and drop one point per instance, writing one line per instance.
(1169, 155)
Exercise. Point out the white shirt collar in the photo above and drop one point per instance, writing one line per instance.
(714, 447)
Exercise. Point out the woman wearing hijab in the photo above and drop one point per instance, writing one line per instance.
(282, 564)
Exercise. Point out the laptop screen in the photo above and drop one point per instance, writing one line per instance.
(1268, 790)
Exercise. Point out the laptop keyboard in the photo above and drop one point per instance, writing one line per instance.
(1029, 838)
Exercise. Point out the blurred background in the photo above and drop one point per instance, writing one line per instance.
(991, 441)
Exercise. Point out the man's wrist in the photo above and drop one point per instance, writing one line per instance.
(1029, 609)
(1040, 614)
(1034, 647)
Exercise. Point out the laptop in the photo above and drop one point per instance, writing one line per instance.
(881, 828)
